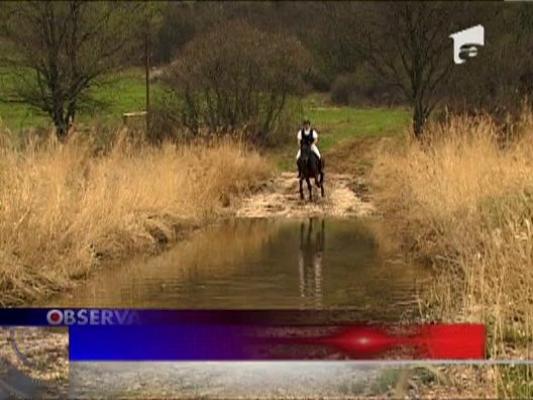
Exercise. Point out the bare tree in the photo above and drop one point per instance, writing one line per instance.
(407, 44)
(55, 51)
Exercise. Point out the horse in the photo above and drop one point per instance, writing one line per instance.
(309, 167)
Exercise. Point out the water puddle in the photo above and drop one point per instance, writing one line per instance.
(263, 264)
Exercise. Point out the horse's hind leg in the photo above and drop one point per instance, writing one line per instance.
(310, 187)
(301, 189)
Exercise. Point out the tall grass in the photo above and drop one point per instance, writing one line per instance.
(63, 209)
(464, 202)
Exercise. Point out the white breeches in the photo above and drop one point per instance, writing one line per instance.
(314, 149)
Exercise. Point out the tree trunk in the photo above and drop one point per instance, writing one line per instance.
(419, 119)
(61, 130)
(147, 74)
(61, 125)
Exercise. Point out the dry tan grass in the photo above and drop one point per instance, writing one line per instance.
(62, 208)
(464, 202)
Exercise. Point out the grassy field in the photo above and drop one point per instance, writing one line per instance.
(336, 124)
(345, 133)
(123, 92)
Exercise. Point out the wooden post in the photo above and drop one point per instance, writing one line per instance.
(147, 72)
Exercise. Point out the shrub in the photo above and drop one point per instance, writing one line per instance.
(342, 88)
(318, 80)
(165, 124)
(237, 78)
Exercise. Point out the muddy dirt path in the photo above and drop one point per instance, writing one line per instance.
(345, 197)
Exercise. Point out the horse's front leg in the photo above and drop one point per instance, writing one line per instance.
(317, 180)
(322, 192)
(310, 187)
(301, 189)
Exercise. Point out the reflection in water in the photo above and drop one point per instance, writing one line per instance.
(262, 264)
(310, 260)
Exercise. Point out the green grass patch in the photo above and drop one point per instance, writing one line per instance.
(123, 92)
(17, 117)
(336, 124)
(114, 95)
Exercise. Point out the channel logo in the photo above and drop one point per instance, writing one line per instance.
(466, 43)
(91, 317)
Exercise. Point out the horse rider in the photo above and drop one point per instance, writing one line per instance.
(308, 135)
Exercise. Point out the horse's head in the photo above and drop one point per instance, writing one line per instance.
(305, 151)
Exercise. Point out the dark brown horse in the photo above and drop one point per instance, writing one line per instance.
(309, 167)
